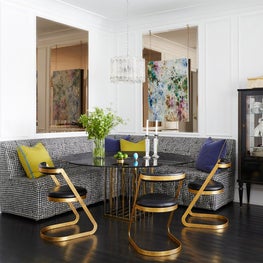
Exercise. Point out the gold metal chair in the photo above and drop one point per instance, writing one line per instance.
(68, 193)
(205, 187)
(155, 202)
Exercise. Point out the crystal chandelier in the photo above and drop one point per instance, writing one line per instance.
(127, 68)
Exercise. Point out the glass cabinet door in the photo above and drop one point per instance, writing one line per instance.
(254, 125)
(250, 139)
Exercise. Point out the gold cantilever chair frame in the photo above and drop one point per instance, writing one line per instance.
(53, 171)
(189, 216)
(153, 209)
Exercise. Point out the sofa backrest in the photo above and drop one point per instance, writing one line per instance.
(11, 167)
(182, 145)
(58, 147)
(185, 145)
(190, 145)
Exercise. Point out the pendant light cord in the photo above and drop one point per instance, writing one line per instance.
(188, 39)
(127, 14)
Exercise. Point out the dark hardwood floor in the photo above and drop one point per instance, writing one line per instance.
(241, 242)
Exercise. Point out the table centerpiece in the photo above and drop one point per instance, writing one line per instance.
(98, 124)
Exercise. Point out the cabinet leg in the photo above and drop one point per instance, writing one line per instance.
(240, 193)
(248, 192)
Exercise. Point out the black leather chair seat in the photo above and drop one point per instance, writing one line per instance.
(65, 192)
(156, 200)
(212, 186)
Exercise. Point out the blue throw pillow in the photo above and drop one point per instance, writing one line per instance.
(209, 154)
(113, 145)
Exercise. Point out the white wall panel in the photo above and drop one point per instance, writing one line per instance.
(250, 47)
(99, 91)
(218, 78)
(18, 80)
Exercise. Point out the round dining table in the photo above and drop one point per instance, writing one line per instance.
(121, 178)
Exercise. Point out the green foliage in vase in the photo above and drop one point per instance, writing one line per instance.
(100, 122)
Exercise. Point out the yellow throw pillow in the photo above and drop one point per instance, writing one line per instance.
(128, 146)
(31, 157)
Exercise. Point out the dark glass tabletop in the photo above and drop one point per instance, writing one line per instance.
(110, 161)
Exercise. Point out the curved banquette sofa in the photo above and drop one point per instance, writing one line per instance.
(26, 197)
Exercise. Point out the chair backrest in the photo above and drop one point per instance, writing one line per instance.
(43, 168)
(223, 164)
(156, 182)
(161, 177)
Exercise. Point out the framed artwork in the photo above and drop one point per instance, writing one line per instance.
(168, 90)
(66, 96)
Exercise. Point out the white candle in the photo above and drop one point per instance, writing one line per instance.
(147, 127)
(156, 127)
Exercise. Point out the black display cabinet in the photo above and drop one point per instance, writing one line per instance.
(250, 139)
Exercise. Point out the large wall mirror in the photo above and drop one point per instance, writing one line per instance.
(166, 49)
(62, 76)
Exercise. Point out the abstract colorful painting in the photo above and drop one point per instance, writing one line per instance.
(67, 99)
(168, 90)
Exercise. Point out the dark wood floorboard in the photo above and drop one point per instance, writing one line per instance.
(241, 242)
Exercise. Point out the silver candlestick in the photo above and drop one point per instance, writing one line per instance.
(147, 148)
(155, 147)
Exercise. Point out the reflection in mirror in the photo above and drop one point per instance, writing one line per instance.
(62, 76)
(167, 46)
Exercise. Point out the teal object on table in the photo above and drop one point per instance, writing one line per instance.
(135, 156)
(135, 163)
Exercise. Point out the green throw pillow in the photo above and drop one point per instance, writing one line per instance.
(128, 146)
(31, 157)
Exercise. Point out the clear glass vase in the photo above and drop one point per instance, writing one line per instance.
(98, 148)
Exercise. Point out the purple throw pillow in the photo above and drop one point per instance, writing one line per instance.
(113, 145)
(210, 152)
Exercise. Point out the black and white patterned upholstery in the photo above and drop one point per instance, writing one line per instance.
(26, 197)
(191, 146)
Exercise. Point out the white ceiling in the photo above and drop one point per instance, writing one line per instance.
(119, 9)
